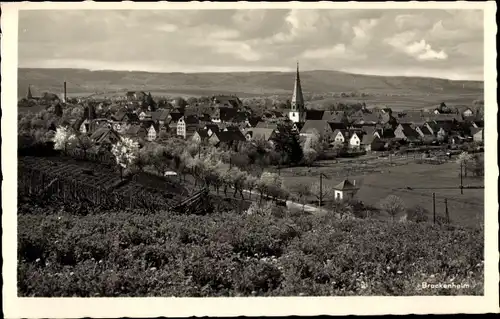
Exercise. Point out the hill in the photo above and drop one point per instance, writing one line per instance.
(241, 83)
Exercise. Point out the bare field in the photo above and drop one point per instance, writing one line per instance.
(413, 183)
(402, 102)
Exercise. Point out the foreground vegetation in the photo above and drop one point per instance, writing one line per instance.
(267, 252)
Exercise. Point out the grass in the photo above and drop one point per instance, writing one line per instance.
(128, 253)
(378, 179)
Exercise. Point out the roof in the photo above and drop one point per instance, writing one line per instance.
(425, 130)
(368, 139)
(103, 134)
(345, 185)
(253, 120)
(264, 133)
(175, 116)
(444, 117)
(314, 115)
(212, 127)
(408, 131)
(228, 100)
(229, 136)
(368, 129)
(191, 120)
(264, 124)
(202, 133)
(227, 114)
(134, 129)
(474, 130)
(344, 132)
(318, 125)
(334, 116)
(159, 115)
(336, 125)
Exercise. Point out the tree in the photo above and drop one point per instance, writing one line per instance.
(125, 152)
(287, 143)
(180, 102)
(302, 191)
(267, 182)
(417, 214)
(64, 139)
(322, 192)
(250, 183)
(84, 143)
(143, 159)
(464, 159)
(393, 205)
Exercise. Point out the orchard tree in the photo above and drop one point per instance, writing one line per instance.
(464, 159)
(321, 191)
(125, 152)
(393, 205)
(301, 191)
(64, 139)
(84, 143)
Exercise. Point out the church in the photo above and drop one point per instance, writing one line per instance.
(297, 112)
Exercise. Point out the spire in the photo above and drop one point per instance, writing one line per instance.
(29, 96)
(297, 97)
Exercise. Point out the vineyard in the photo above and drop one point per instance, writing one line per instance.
(94, 184)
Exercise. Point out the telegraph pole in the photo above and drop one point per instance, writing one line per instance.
(434, 206)
(446, 210)
(320, 189)
(461, 179)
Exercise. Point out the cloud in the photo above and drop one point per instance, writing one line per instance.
(425, 41)
(420, 50)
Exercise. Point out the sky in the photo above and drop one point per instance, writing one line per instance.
(427, 42)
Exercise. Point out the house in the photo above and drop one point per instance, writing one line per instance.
(465, 111)
(372, 142)
(227, 101)
(251, 121)
(228, 137)
(160, 116)
(145, 116)
(187, 125)
(388, 119)
(211, 128)
(260, 133)
(153, 130)
(477, 134)
(320, 126)
(200, 136)
(384, 132)
(105, 135)
(355, 140)
(124, 116)
(406, 132)
(345, 190)
(136, 131)
(340, 136)
(224, 114)
(424, 132)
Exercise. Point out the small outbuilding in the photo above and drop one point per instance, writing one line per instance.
(345, 190)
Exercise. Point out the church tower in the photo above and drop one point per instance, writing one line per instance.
(297, 112)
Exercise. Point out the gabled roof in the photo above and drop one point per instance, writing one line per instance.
(345, 185)
(191, 120)
(264, 133)
(474, 130)
(229, 136)
(336, 125)
(344, 132)
(334, 116)
(212, 126)
(159, 115)
(318, 125)
(408, 131)
(425, 130)
(175, 116)
(368, 139)
(134, 129)
(202, 133)
(232, 101)
(227, 114)
(104, 134)
(314, 115)
(253, 120)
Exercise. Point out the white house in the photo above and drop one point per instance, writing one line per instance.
(345, 190)
(151, 133)
(340, 136)
(354, 141)
(142, 116)
(181, 127)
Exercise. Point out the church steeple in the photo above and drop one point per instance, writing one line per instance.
(297, 112)
(29, 96)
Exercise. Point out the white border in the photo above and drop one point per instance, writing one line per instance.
(15, 307)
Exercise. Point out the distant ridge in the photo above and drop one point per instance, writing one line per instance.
(253, 83)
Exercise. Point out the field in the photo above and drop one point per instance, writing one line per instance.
(377, 178)
(401, 102)
(129, 253)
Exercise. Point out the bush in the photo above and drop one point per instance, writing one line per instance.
(119, 253)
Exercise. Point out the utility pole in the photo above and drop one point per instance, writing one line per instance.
(461, 179)
(434, 206)
(320, 189)
(446, 210)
